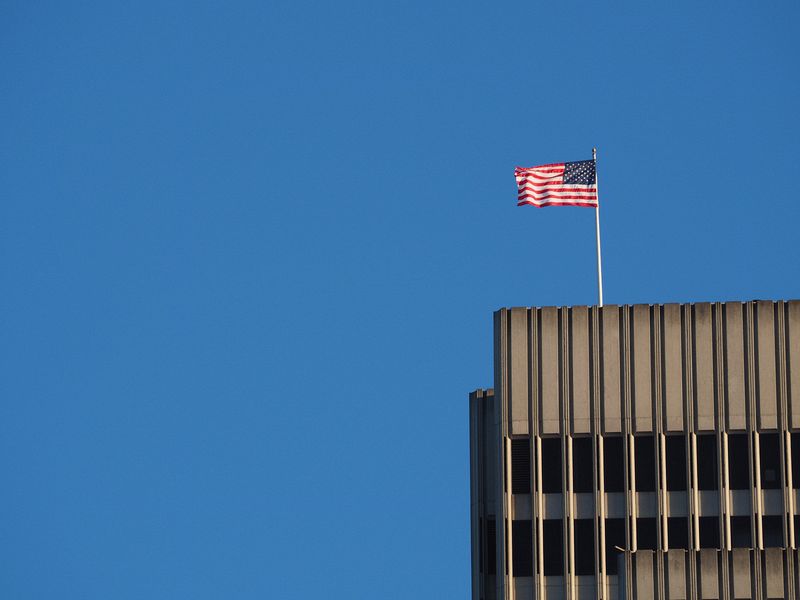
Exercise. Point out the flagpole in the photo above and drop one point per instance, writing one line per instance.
(597, 227)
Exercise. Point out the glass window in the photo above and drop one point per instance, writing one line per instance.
(521, 466)
(709, 532)
(551, 465)
(740, 532)
(646, 533)
(584, 546)
(772, 531)
(644, 447)
(738, 461)
(553, 534)
(614, 467)
(770, 461)
(615, 537)
(582, 476)
(707, 470)
(522, 540)
(491, 546)
(678, 532)
(676, 463)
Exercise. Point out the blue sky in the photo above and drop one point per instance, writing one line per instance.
(249, 254)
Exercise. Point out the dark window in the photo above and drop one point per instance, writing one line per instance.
(551, 465)
(582, 476)
(678, 533)
(615, 537)
(522, 540)
(644, 447)
(614, 467)
(676, 464)
(521, 466)
(584, 546)
(707, 478)
(553, 547)
(481, 545)
(740, 532)
(646, 533)
(709, 532)
(772, 531)
(491, 546)
(738, 461)
(770, 461)
(796, 460)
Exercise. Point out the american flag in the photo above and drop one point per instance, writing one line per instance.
(559, 184)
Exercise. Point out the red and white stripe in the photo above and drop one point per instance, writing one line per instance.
(544, 186)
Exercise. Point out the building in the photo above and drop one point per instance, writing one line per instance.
(646, 451)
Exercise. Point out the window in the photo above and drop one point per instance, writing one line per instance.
(582, 475)
(614, 467)
(646, 533)
(678, 533)
(553, 533)
(491, 546)
(520, 466)
(644, 447)
(770, 447)
(772, 531)
(522, 540)
(584, 546)
(709, 532)
(796, 460)
(551, 465)
(676, 464)
(615, 536)
(740, 532)
(738, 461)
(707, 473)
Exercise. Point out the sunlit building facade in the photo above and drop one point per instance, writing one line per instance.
(645, 451)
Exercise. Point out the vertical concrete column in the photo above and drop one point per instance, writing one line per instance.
(539, 518)
(474, 504)
(477, 414)
(633, 498)
(789, 493)
(509, 516)
(595, 429)
(720, 425)
(753, 407)
(598, 547)
(726, 490)
(571, 518)
(625, 366)
(759, 505)
(659, 425)
(566, 446)
(662, 459)
(537, 509)
(694, 317)
(785, 441)
(602, 515)
(695, 503)
(501, 423)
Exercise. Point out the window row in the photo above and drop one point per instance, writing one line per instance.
(646, 467)
(646, 537)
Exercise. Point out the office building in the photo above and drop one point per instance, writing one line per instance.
(645, 451)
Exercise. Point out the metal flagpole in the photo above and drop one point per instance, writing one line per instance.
(597, 225)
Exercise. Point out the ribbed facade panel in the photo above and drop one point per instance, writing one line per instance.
(661, 461)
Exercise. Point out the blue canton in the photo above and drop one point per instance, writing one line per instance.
(581, 172)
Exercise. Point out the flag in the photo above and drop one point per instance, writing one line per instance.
(560, 184)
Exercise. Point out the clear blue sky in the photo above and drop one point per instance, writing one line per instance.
(250, 254)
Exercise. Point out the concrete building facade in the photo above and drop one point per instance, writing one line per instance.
(645, 451)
